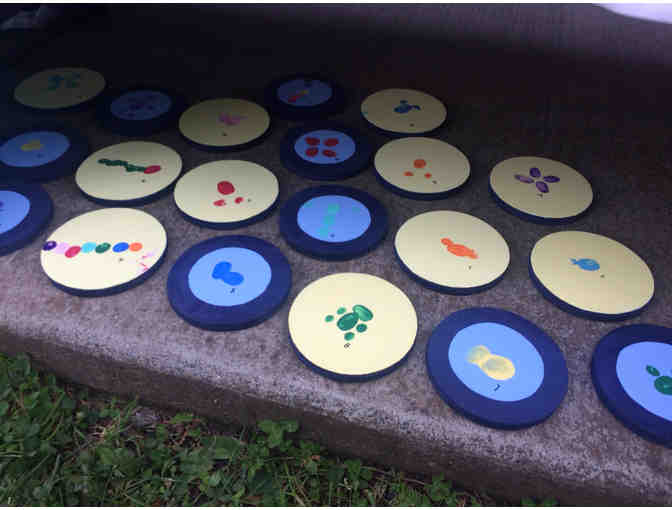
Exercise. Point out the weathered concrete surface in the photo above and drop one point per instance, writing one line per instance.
(133, 343)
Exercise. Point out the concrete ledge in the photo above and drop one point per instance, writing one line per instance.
(133, 343)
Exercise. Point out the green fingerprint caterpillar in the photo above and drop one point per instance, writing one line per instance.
(129, 166)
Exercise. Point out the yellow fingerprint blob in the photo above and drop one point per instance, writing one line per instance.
(493, 365)
(33, 145)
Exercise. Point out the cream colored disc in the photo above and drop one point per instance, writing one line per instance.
(452, 249)
(541, 187)
(62, 87)
(128, 171)
(404, 111)
(224, 122)
(226, 191)
(103, 249)
(422, 165)
(592, 273)
(352, 324)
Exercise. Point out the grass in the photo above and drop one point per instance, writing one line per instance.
(64, 445)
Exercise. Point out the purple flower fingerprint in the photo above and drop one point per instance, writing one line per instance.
(535, 174)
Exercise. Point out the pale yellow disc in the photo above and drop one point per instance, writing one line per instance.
(404, 111)
(452, 249)
(592, 272)
(569, 196)
(422, 165)
(224, 122)
(105, 173)
(226, 191)
(388, 334)
(90, 270)
(59, 88)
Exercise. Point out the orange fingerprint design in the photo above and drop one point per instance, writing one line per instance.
(459, 249)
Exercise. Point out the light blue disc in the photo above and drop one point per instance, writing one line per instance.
(229, 276)
(141, 105)
(325, 147)
(302, 92)
(14, 208)
(34, 148)
(638, 383)
(334, 218)
(88, 247)
(501, 341)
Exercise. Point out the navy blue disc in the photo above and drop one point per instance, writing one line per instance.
(632, 374)
(41, 152)
(324, 151)
(496, 368)
(140, 111)
(229, 283)
(333, 222)
(304, 97)
(25, 210)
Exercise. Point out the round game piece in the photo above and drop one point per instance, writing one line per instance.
(333, 222)
(104, 252)
(140, 110)
(229, 283)
(224, 124)
(421, 168)
(451, 252)
(540, 190)
(325, 151)
(130, 173)
(25, 210)
(304, 97)
(404, 112)
(496, 368)
(59, 89)
(591, 276)
(227, 194)
(632, 374)
(41, 153)
(352, 327)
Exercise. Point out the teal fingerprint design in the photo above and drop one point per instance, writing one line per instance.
(329, 219)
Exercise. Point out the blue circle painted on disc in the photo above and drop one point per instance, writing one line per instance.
(34, 148)
(500, 341)
(325, 147)
(334, 218)
(141, 105)
(14, 208)
(638, 383)
(229, 276)
(88, 247)
(304, 92)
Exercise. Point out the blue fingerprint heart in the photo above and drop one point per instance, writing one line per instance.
(222, 271)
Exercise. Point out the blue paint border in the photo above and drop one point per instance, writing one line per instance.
(307, 245)
(333, 106)
(39, 215)
(110, 122)
(112, 290)
(218, 318)
(63, 166)
(611, 392)
(491, 413)
(456, 291)
(357, 163)
(350, 378)
(584, 314)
